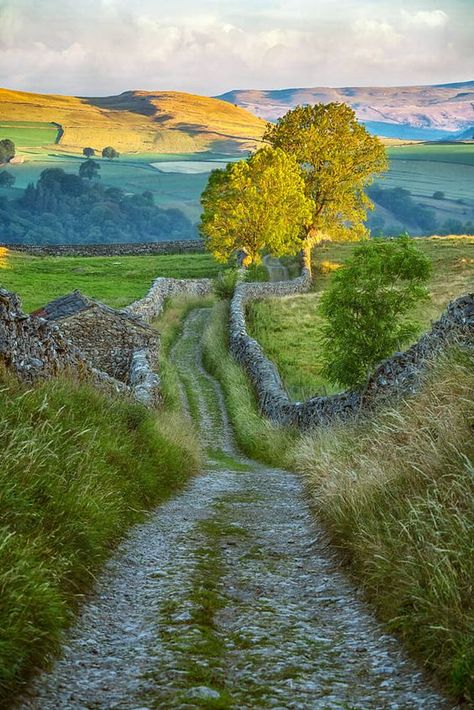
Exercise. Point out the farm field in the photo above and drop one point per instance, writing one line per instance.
(421, 168)
(424, 168)
(273, 322)
(26, 134)
(116, 281)
(179, 189)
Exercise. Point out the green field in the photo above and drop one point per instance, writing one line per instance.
(274, 322)
(131, 173)
(116, 281)
(425, 168)
(27, 134)
(421, 168)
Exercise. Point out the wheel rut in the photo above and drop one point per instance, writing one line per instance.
(228, 596)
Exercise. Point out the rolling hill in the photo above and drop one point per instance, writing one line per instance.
(134, 121)
(410, 112)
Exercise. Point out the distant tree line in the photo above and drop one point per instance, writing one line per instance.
(63, 208)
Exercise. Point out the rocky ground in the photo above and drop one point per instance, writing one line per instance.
(228, 597)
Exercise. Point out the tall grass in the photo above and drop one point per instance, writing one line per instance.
(397, 494)
(256, 436)
(77, 468)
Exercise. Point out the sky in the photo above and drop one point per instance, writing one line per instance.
(104, 47)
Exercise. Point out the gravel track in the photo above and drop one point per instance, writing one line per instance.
(286, 628)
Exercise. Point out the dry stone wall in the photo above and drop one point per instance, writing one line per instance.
(32, 347)
(399, 375)
(127, 249)
(151, 306)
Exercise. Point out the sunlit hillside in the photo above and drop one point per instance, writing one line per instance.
(135, 121)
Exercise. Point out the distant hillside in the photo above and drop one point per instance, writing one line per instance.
(135, 121)
(408, 112)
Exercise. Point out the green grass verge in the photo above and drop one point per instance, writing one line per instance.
(397, 493)
(257, 437)
(69, 488)
(114, 280)
(275, 322)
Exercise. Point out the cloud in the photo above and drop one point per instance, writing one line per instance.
(432, 18)
(92, 47)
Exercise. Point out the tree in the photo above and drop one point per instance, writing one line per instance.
(255, 204)
(109, 152)
(89, 170)
(339, 158)
(366, 307)
(88, 152)
(438, 195)
(6, 179)
(7, 150)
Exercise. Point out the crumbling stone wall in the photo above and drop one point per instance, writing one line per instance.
(35, 348)
(32, 347)
(108, 339)
(399, 375)
(151, 306)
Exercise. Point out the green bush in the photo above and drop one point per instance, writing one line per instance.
(226, 282)
(77, 468)
(366, 307)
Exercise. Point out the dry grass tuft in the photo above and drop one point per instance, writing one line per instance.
(397, 494)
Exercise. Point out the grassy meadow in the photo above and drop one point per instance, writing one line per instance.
(27, 134)
(69, 489)
(273, 322)
(117, 281)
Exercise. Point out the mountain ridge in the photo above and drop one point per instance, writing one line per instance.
(427, 112)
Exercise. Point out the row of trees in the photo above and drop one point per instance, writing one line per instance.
(64, 208)
(107, 152)
(307, 184)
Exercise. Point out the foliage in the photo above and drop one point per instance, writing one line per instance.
(255, 204)
(339, 158)
(366, 306)
(274, 321)
(6, 179)
(88, 152)
(396, 493)
(226, 282)
(64, 208)
(69, 488)
(110, 153)
(89, 170)
(7, 150)
(438, 195)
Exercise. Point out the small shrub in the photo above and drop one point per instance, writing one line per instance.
(438, 195)
(366, 308)
(226, 282)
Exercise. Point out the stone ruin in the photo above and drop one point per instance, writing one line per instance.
(74, 334)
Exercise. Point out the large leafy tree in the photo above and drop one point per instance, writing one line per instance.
(339, 158)
(367, 307)
(254, 205)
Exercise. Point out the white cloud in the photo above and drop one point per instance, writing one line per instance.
(88, 47)
(431, 18)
